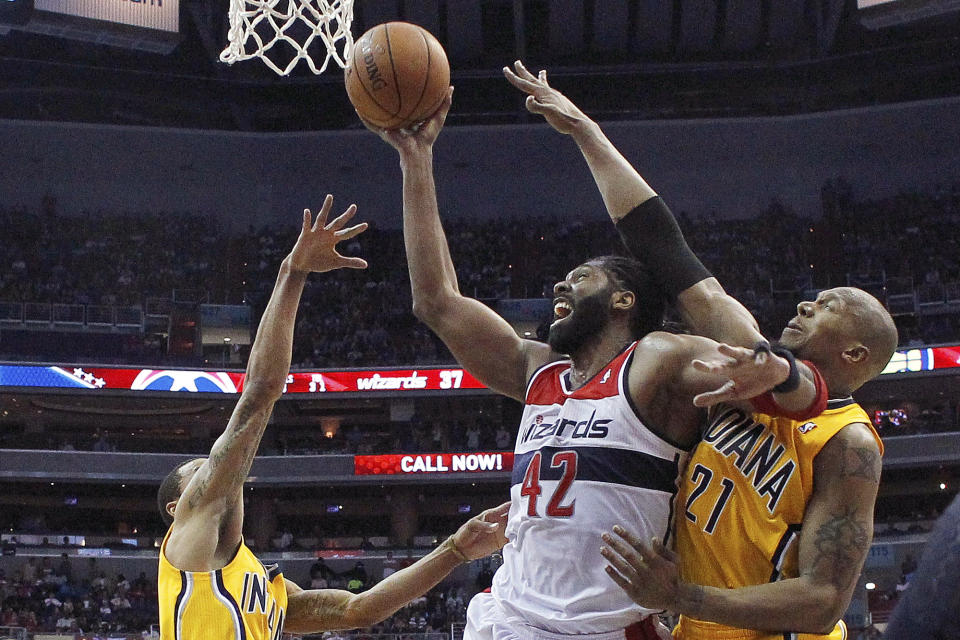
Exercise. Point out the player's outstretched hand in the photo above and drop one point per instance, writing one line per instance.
(483, 534)
(422, 136)
(316, 248)
(558, 109)
(750, 373)
(647, 573)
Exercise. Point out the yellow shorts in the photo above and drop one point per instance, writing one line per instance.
(690, 629)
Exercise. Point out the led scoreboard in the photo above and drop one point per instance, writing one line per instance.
(162, 15)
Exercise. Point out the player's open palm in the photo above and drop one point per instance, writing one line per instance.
(647, 573)
(316, 248)
(559, 111)
(483, 534)
(749, 373)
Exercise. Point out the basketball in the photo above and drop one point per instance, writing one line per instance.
(396, 75)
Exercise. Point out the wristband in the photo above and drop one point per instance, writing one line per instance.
(766, 404)
(792, 383)
(452, 546)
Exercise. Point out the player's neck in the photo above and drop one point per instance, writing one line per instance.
(594, 355)
(839, 383)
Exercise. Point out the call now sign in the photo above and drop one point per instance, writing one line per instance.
(432, 463)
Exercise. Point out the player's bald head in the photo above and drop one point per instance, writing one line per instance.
(872, 325)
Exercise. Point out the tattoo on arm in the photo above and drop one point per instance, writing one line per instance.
(858, 462)
(840, 543)
(867, 463)
(244, 419)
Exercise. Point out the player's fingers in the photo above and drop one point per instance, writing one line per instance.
(713, 366)
(524, 85)
(663, 551)
(629, 570)
(497, 513)
(643, 550)
(632, 539)
(350, 232)
(342, 219)
(620, 580)
(352, 263)
(543, 77)
(737, 353)
(440, 115)
(306, 220)
(523, 73)
(710, 398)
(624, 549)
(321, 220)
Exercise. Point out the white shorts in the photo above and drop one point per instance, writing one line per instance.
(486, 620)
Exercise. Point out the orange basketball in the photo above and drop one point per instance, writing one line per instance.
(396, 75)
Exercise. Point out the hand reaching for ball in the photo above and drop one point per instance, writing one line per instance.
(421, 137)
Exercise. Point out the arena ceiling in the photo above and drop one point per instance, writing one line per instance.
(620, 59)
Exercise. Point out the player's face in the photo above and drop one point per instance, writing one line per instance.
(821, 328)
(581, 308)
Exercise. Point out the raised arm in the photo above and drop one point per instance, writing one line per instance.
(648, 228)
(834, 542)
(481, 341)
(213, 490)
(320, 610)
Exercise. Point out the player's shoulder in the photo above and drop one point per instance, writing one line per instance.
(665, 343)
(854, 450)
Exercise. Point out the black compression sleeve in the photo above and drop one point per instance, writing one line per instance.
(652, 235)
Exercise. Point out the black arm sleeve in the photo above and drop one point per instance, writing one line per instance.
(652, 235)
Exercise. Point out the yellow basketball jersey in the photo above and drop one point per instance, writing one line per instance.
(742, 500)
(242, 601)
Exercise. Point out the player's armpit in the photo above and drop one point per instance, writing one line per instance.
(838, 525)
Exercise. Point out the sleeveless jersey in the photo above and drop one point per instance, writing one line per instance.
(584, 462)
(742, 501)
(242, 601)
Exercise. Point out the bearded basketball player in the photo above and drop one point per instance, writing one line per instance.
(607, 423)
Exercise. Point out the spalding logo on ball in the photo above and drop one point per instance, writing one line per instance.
(397, 75)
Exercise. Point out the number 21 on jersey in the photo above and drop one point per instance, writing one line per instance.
(566, 463)
(702, 477)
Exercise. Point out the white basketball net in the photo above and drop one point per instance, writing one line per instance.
(257, 26)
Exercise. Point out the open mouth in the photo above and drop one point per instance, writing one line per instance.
(793, 326)
(561, 309)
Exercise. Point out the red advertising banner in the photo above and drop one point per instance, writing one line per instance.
(394, 381)
(390, 381)
(401, 464)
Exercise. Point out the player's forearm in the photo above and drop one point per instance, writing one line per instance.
(398, 589)
(233, 452)
(620, 185)
(270, 357)
(789, 605)
(709, 311)
(432, 275)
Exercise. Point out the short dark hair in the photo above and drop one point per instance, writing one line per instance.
(168, 492)
(632, 275)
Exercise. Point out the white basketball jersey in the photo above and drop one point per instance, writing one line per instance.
(584, 462)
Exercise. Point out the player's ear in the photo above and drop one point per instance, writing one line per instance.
(856, 354)
(171, 508)
(623, 299)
